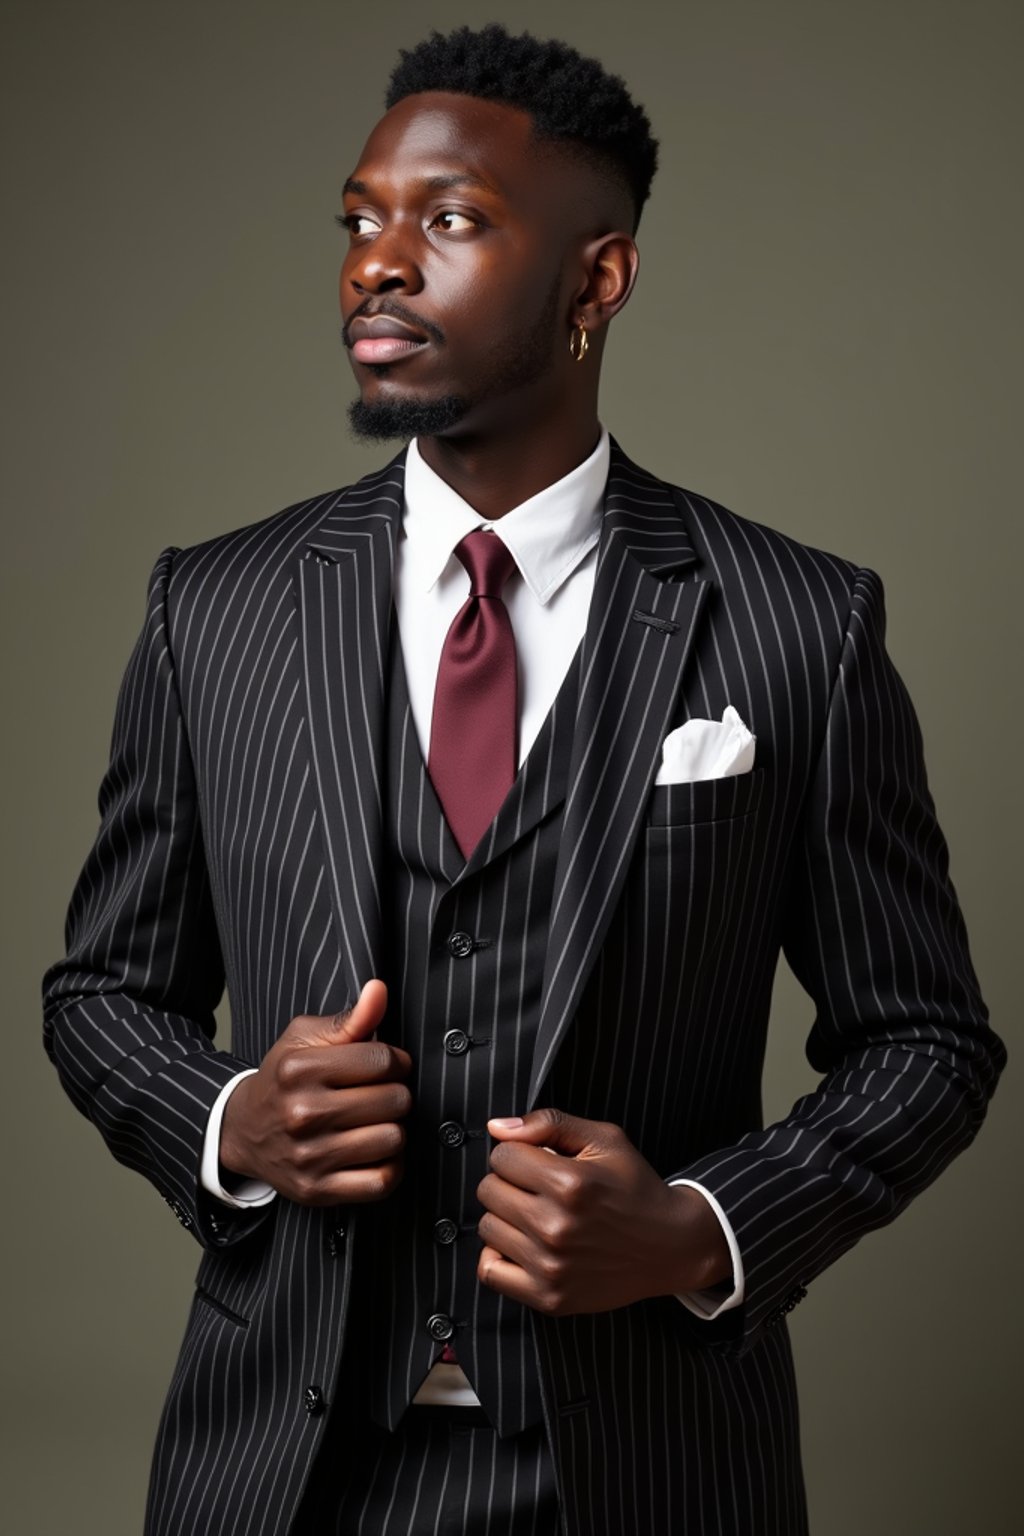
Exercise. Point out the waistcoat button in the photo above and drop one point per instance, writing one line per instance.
(451, 1134)
(313, 1400)
(440, 1326)
(460, 945)
(456, 1042)
(445, 1230)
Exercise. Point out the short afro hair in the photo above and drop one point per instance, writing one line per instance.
(572, 100)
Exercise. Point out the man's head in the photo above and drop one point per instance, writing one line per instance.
(492, 211)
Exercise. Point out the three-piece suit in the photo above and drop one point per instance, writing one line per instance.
(609, 948)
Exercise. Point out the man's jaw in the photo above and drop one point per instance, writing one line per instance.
(381, 420)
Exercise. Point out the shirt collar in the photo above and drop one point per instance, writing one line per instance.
(548, 535)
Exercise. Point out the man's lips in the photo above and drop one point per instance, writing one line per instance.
(383, 349)
(382, 339)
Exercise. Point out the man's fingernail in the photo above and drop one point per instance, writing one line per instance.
(509, 1124)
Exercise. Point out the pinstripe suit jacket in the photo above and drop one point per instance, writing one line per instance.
(241, 838)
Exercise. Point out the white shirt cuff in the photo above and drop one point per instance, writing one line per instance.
(711, 1303)
(250, 1192)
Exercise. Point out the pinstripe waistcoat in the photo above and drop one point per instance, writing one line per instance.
(464, 959)
(242, 836)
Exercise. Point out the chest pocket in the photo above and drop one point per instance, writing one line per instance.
(703, 800)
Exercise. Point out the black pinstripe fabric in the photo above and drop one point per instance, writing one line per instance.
(436, 1474)
(489, 988)
(242, 838)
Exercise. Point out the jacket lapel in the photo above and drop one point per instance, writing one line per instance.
(639, 634)
(343, 582)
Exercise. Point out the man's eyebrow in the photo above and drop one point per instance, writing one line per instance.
(441, 183)
(458, 179)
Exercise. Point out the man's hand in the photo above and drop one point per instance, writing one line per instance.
(320, 1119)
(591, 1230)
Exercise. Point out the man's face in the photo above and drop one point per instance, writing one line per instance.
(455, 291)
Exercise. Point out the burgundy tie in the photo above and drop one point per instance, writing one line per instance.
(472, 760)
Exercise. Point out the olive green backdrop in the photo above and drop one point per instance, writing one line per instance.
(826, 336)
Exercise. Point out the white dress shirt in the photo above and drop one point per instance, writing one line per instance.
(553, 537)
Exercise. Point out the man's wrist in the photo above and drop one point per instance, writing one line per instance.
(232, 1154)
(699, 1256)
(238, 1190)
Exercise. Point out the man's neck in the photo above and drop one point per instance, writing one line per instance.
(494, 474)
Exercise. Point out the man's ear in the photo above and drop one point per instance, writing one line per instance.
(611, 263)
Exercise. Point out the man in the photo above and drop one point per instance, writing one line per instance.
(494, 785)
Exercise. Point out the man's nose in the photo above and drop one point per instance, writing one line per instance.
(385, 265)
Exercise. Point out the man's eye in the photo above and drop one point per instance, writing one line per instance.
(352, 222)
(450, 214)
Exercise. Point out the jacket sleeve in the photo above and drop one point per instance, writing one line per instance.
(128, 1014)
(874, 933)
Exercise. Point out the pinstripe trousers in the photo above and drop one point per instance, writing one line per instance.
(442, 1472)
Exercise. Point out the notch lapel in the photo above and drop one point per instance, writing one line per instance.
(639, 634)
(344, 578)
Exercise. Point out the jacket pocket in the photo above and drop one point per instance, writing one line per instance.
(697, 800)
(206, 1300)
(231, 1281)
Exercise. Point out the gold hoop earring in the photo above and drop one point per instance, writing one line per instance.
(578, 342)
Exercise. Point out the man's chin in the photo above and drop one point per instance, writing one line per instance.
(381, 420)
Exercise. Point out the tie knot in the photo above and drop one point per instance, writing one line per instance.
(489, 562)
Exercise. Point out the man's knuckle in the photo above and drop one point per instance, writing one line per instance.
(298, 1114)
(306, 1186)
(387, 1177)
(556, 1231)
(572, 1188)
(549, 1266)
(393, 1138)
(401, 1100)
(395, 1061)
(289, 1068)
(374, 1057)
(395, 1174)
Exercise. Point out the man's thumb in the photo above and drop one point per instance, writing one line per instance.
(361, 1021)
(569, 1134)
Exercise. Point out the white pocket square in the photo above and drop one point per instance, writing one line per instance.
(706, 749)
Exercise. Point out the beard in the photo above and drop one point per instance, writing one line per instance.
(510, 368)
(378, 420)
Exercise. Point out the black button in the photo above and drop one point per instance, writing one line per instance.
(181, 1213)
(335, 1240)
(795, 1296)
(313, 1400)
(451, 1134)
(445, 1230)
(440, 1326)
(460, 945)
(456, 1042)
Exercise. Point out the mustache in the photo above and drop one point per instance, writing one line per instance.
(395, 311)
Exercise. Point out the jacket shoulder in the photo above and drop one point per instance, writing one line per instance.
(276, 537)
(260, 554)
(733, 547)
(737, 545)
